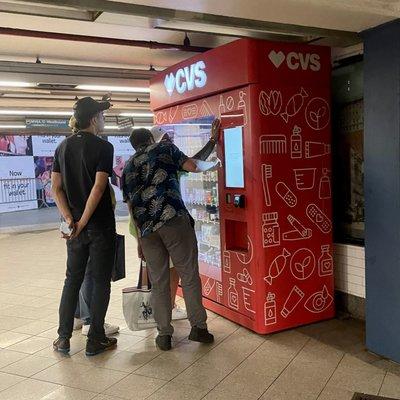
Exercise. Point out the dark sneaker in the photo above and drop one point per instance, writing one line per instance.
(94, 347)
(164, 342)
(62, 345)
(201, 335)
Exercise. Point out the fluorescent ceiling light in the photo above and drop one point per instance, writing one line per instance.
(98, 88)
(35, 112)
(116, 127)
(137, 114)
(12, 126)
(15, 84)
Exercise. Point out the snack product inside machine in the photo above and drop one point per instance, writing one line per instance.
(263, 220)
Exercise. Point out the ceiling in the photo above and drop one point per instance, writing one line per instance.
(115, 43)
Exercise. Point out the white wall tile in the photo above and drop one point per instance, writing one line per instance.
(350, 269)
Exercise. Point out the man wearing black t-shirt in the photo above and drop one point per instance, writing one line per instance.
(82, 165)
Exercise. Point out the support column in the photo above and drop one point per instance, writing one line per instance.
(382, 188)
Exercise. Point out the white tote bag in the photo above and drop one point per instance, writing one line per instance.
(136, 306)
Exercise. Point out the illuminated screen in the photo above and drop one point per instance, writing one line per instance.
(234, 169)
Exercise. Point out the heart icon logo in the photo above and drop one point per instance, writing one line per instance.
(169, 83)
(276, 58)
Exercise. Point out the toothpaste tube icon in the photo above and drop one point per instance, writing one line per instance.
(293, 300)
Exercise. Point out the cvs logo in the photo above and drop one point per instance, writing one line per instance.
(295, 60)
(186, 78)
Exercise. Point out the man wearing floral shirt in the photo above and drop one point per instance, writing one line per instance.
(151, 189)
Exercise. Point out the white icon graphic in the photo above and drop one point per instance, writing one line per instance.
(246, 258)
(219, 291)
(169, 83)
(294, 105)
(319, 301)
(305, 178)
(318, 113)
(296, 143)
(242, 106)
(245, 277)
(277, 58)
(172, 113)
(325, 185)
(205, 109)
(221, 107)
(317, 149)
(302, 264)
(233, 297)
(190, 111)
(325, 262)
(270, 103)
(161, 118)
(270, 230)
(270, 309)
(227, 262)
(248, 299)
(266, 173)
(230, 103)
(299, 232)
(317, 216)
(277, 266)
(286, 194)
(208, 286)
(293, 300)
(273, 144)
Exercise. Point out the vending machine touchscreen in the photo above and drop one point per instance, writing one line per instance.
(233, 149)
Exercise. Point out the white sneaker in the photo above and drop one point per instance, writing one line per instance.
(78, 323)
(108, 328)
(178, 313)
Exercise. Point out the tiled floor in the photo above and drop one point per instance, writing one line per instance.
(325, 361)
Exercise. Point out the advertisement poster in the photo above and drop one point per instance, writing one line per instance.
(45, 146)
(17, 184)
(123, 150)
(13, 145)
(43, 166)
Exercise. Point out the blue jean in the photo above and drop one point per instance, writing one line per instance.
(85, 297)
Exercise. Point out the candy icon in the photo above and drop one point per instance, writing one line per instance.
(294, 105)
(277, 266)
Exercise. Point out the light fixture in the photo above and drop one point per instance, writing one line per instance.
(35, 112)
(98, 88)
(137, 114)
(12, 126)
(116, 127)
(15, 84)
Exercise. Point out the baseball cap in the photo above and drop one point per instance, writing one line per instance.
(158, 133)
(88, 107)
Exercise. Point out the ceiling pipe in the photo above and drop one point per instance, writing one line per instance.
(101, 40)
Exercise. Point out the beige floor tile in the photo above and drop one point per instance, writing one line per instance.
(128, 361)
(355, 375)
(31, 345)
(9, 338)
(287, 393)
(164, 367)
(34, 327)
(80, 376)
(28, 389)
(67, 393)
(8, 357)
(391, 386)
(8, 323)
(29, 366)
(7, 380)
(135, 387)
(336, 393)
(182, 392)
(315, 351)
(24, 312)
(246, 382)
(127, 341)
(105, 397)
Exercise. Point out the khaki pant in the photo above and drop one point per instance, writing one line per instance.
(175, 239)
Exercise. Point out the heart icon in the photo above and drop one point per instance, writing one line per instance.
(169, 83)
(319, 218)
(276, 58)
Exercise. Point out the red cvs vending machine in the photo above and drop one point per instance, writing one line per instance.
(263, 220)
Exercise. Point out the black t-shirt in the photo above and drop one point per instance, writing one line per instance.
(78, 158)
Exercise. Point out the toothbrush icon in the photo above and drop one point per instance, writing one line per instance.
(266, 172)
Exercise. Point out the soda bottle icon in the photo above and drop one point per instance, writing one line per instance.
(233, 297)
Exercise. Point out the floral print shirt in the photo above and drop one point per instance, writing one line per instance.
(150, 183)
